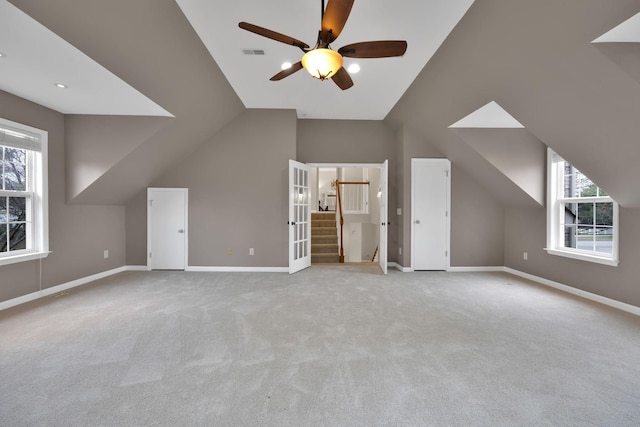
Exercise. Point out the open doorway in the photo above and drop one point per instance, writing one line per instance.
(352, 232)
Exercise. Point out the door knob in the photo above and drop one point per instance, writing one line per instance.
(181, 231)
(417, 221)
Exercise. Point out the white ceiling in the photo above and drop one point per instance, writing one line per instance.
(35, 58)
(378, 86)
(627, 32)
(491, 115)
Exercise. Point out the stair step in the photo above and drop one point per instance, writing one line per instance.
(324, 248)
(323, 216)
(324, 258)
(326, 238)
(324, 231)
(323, 223)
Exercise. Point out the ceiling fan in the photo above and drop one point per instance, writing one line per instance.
(322, 62)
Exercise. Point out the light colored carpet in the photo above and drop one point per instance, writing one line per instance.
(333, 345)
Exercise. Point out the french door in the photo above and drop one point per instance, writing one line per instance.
(384, 175)
(299, 217)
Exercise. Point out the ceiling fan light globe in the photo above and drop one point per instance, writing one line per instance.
(322, 63)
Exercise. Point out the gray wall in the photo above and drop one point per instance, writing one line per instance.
(238, 196)
(239, 178)
(95, 144)
(477, 219)
(78, 235)
(477, 224)
(525, 231)
(354, 141)
(409, 146)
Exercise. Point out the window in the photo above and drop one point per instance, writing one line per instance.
(582, 220)
(23, 195)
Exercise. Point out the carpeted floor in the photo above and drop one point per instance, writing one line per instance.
(335, 345)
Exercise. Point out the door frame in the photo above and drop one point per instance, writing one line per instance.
(448, 208)
(364, 166)
(186, 222)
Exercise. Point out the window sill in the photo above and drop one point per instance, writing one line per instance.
(23, 257)
(584, 257)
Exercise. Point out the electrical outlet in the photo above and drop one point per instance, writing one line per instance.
(251, 251)
(229, 252)
(106, 253)
(525, 256)
(399, 251)
(399, 211)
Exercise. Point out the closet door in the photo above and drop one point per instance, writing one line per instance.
(430, 214)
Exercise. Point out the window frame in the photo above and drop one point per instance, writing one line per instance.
(556, 211)
(37, 229)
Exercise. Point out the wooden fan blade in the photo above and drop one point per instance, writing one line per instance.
(342, 79)
(376, 49)
(264, 32)
(335, 16)
(286, 73)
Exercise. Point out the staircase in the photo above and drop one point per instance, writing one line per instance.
(324, 238)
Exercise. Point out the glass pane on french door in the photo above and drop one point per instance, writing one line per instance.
(301, 207)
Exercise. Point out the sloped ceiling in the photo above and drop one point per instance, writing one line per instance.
(35, 60)
(534, 58)
(150, 45)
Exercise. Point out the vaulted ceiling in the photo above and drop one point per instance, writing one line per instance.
(535, 59)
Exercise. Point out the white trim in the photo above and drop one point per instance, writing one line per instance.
(36, 143)
(137, 268)
(59, 288)
(583, 257)
(555, 233)
(29, 256)
(568, 289)
(475, 269)
(238, 269)
(578, 292)
(345, 165)
(399, 267)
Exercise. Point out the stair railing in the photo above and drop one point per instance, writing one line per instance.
(339, 197)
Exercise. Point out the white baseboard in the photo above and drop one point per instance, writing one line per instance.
(546, 282)
(475, 269)
(452, 269)
(79, 282)
(575, 291)
(137, 268)
(239, 269)
(220, 269)
(59, 288)
(399, 267)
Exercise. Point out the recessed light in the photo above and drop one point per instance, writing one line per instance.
(286, 65)
(60, 85)
(353, 68)
(2, 55)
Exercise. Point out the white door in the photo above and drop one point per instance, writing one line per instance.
(430, 222)
(299, 217)
(384, 175)
(167, 228)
